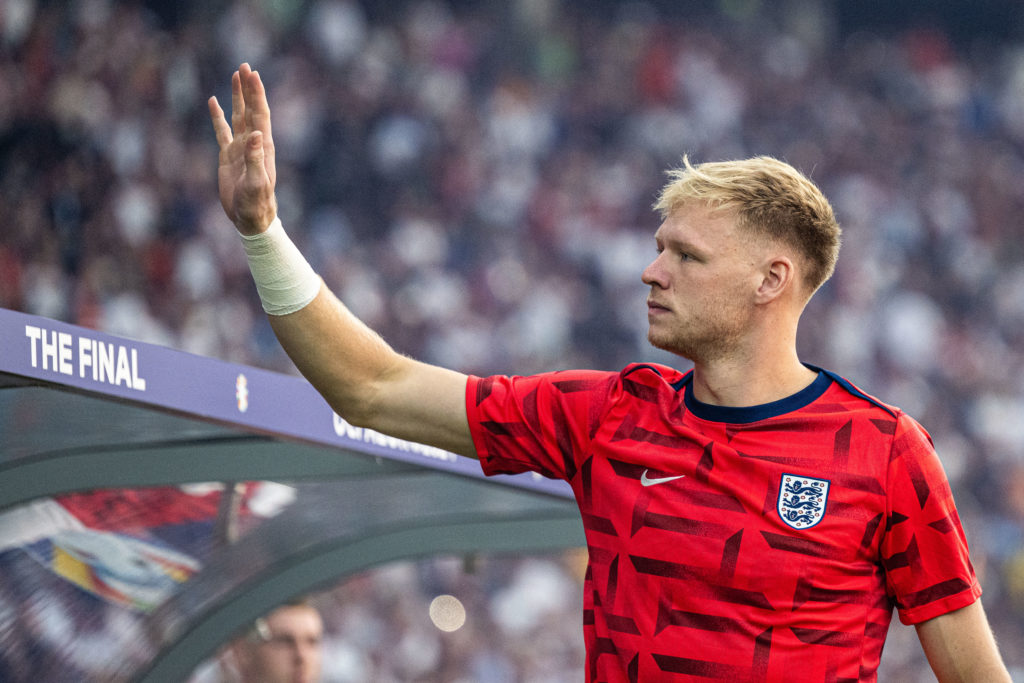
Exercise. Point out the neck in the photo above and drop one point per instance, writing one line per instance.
(750, 379)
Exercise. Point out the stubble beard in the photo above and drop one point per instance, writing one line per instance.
(698, 346)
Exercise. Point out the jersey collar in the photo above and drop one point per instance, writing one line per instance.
(747, 414)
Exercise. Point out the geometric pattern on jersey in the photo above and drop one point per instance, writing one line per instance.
(693, 574)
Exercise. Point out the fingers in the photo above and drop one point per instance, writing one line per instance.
(249, 132)
(257, 115)
(245, 73)
(221, 129)
(237, 103)
(239, 119)
(257, 109)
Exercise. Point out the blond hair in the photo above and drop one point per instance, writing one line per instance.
(769, 198)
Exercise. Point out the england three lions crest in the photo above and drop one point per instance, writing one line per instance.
(802, 500)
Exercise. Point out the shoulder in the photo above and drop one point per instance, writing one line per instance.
(649, 383)
(904, 430)
(857, 398)
(570, 381)
(654, 374)
(496, 388)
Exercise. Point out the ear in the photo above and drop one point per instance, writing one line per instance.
(778, 277)
(236, 659)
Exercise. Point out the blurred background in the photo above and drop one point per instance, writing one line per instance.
(474, 178)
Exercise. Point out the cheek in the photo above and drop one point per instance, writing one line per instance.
(733, 287)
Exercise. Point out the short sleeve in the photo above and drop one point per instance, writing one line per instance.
(924, 549)
(541, 423)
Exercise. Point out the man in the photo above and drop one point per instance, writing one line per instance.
(754, 519)
(283, 647)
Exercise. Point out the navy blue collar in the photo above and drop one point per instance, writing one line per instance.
(747, 414)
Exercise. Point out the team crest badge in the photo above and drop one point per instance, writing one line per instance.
(802, 500)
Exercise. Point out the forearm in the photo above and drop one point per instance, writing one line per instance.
(336, 352)
(368, 383)
(340, 356)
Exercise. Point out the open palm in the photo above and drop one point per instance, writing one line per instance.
(246, 172)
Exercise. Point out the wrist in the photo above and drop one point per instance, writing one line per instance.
(284, 279)
(258, 219)
(251, 228)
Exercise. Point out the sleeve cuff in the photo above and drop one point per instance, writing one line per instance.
(918, 614)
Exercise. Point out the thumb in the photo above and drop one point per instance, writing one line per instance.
(254, 203)
(254, 169)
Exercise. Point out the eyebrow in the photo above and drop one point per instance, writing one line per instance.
(680, 245)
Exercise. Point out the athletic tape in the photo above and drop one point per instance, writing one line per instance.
(284, 279)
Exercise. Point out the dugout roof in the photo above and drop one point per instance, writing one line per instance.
(82, 411)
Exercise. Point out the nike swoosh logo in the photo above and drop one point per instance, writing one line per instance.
(647, 481)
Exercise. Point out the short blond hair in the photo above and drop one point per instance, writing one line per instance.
(770, 198)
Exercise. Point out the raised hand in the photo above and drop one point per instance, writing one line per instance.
(246, 172)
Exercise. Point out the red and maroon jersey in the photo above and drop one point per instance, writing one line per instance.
(743, 544)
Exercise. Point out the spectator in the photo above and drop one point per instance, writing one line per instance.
(286, 646)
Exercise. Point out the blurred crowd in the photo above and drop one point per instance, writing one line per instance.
(474, 179)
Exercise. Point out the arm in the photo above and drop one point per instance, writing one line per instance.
(359, 375)
(960, 647)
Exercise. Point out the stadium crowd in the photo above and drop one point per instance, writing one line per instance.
(475, 180)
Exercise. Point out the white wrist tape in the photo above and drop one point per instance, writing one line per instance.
(284, 279)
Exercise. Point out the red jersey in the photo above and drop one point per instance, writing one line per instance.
(745, 544)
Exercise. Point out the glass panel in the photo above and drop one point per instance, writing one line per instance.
(36, 419)
(480, 618)
(132, 571)
(81, 572)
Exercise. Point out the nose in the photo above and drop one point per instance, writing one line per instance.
(653, 274)
(307, 659)
(304, 654)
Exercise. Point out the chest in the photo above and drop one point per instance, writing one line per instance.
(674, 488)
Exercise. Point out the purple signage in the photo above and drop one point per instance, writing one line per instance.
(250, 398)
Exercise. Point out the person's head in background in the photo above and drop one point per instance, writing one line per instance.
(282, 647)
